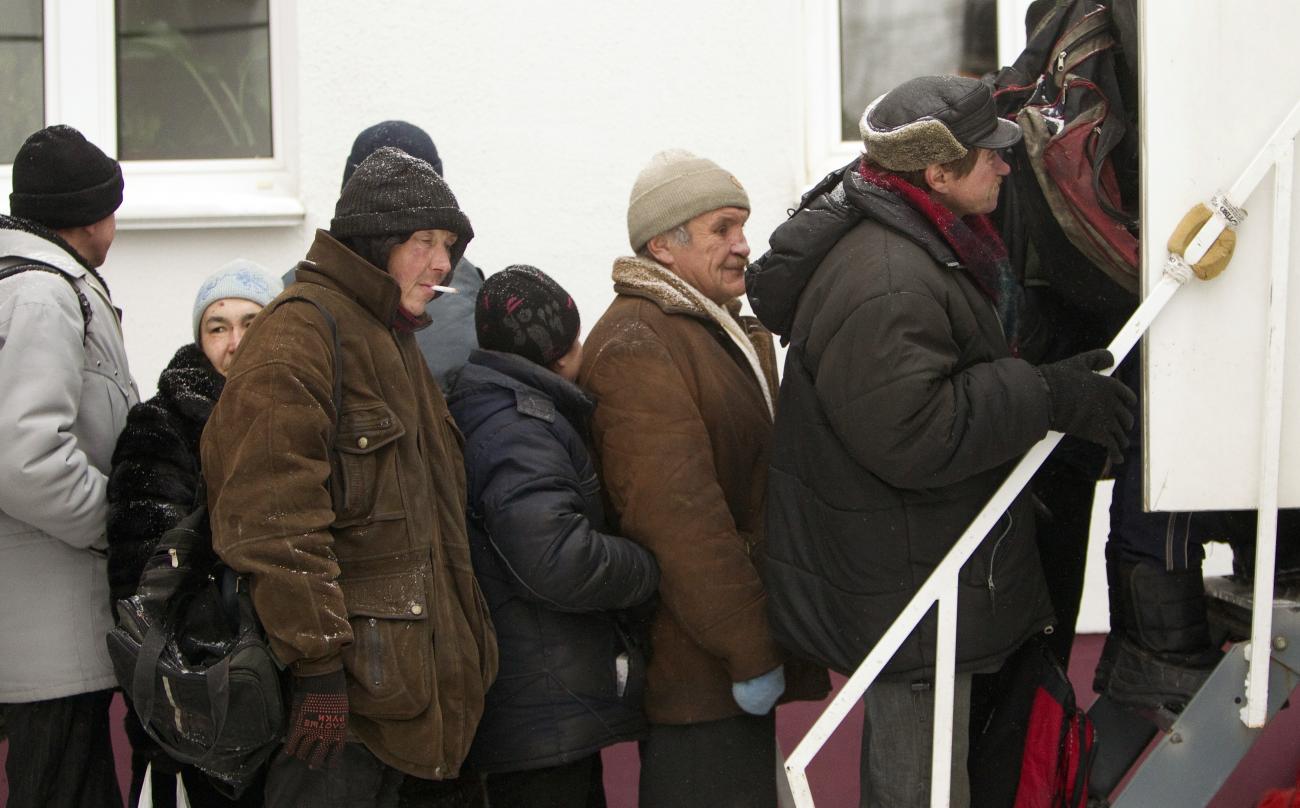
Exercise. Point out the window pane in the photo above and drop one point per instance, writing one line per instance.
(193, 79)
(886, 42)
(22, 64)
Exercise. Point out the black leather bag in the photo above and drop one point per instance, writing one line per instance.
(194, 660)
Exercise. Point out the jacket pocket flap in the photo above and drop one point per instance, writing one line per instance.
(398, 596)
(364, 430)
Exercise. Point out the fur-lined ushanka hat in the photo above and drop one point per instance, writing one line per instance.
(933, 119)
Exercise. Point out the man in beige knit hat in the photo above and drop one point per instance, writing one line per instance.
(683, 419)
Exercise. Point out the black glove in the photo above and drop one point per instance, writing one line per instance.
(318, 719)
(1084, 404)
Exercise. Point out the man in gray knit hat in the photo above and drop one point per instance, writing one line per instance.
(906, 400)
(682, 425)
(336, 484)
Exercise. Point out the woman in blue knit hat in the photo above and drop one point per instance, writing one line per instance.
(156, 474)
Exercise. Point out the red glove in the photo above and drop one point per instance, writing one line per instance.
(318, 719)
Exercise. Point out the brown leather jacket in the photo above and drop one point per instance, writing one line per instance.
(682, 427)
(352, 524)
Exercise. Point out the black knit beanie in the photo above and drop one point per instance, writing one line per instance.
(521, 310)
(392, 192)
(399, 134)
(60, 180)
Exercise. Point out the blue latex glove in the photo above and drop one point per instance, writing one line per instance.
(758, 696)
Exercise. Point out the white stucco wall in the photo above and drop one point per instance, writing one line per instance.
(543, 114)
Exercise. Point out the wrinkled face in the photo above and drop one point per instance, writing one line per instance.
(222, 328)
(977, 192)
(714, 260)
(420, 263)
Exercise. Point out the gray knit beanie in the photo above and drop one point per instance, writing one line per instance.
(240, 278)
(393, 193)
(675, 187)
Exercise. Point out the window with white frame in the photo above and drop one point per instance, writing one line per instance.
(22, 63)
(189, 94)
(859, 49)
(193, 79)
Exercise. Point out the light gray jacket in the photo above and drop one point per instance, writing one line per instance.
(62, 405)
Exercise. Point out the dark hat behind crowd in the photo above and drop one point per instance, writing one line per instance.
(933, 119)
(393, 193)
(61, 180)
(399, 134)
(522, 310)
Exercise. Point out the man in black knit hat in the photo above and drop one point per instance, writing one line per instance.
(446, 343)
(343, 500)
(65, 389)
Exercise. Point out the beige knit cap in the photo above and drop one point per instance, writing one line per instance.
(675, 187)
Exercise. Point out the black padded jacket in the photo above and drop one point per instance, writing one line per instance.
(557, 584)
(901, 410)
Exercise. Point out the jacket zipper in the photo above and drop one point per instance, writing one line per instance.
(376, 660)
(993, 557)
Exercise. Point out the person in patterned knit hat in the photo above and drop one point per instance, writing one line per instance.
(568, 597)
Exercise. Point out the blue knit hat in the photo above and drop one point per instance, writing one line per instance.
(240, 278)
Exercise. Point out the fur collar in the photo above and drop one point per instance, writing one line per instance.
(191, 384)
(652, 280)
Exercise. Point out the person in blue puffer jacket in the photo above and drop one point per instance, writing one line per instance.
(567, 598)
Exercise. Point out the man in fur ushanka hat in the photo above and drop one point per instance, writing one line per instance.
(905, 401)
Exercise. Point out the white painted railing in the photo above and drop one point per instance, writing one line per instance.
(941, 587)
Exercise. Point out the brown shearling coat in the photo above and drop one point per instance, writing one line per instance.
(352, 524)
(682, 429)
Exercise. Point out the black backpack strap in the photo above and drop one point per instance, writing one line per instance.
(146, 672)
(12, 265)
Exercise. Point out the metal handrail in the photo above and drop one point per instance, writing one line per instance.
(941, 587)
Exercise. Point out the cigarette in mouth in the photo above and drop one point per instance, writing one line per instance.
(447, 290)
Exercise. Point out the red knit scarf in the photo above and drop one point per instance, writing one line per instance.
(976, 243)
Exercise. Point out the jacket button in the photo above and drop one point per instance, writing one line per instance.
(417, 608)
(437, 771)
(363, 442)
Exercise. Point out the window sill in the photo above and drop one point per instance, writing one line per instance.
(209, 210)
(206, 199)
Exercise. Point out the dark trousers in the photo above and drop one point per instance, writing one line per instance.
(579, 784)
(466, 791)
(359, 780)
(162, 777)
(60, 753)
(715, 764)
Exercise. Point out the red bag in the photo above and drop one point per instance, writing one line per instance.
(1059, 747)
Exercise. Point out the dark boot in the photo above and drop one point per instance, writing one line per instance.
(1166, 653)
(1120, 607)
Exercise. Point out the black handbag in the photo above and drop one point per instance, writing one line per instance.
(194, 661)
(192, 656)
